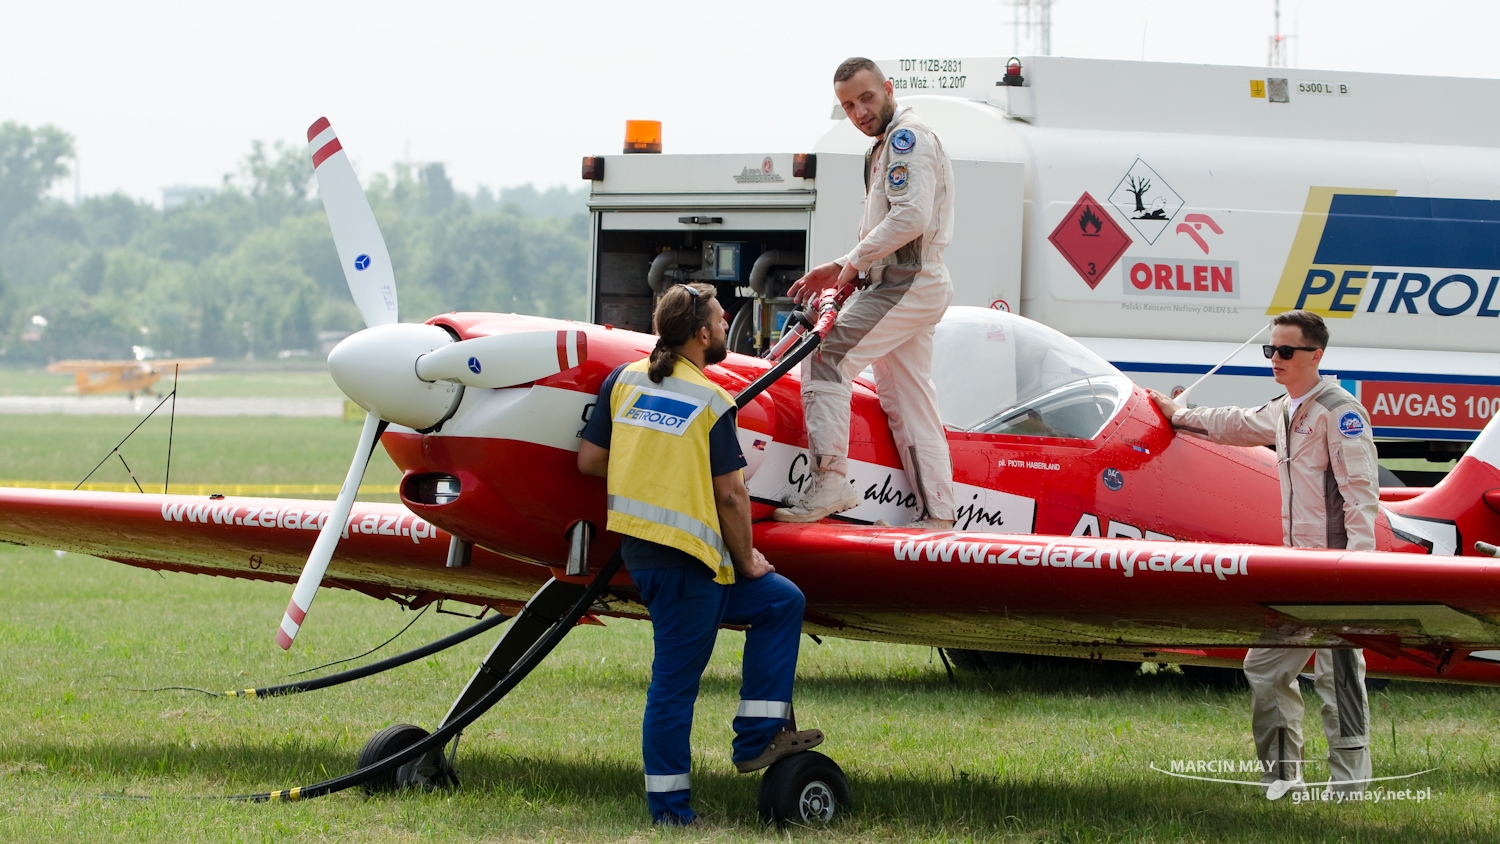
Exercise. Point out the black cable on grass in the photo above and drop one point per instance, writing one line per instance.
(366, 653)
(375, 667)
(175, 689)
(354, 673)
(518, 672)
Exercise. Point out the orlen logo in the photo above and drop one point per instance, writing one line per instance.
(1370, 251)
(1179, 278)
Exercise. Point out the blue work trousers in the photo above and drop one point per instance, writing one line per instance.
(687, 607)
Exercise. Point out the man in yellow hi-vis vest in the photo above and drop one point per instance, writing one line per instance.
(663, 437)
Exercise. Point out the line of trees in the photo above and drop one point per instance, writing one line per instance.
(250, 267)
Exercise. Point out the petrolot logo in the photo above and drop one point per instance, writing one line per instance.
(659, 410)
(1370, 251)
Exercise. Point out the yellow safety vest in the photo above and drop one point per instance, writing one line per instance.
(660, 479)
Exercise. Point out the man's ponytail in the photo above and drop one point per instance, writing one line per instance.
(663, 361)
(680, 312)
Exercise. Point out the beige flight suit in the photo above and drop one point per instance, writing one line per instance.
(1330, 496)
(907, 223)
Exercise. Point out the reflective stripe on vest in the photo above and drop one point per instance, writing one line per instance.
(662, 516)
(668, 782)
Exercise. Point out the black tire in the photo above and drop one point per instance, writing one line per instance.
(805, 789)
(387, 742)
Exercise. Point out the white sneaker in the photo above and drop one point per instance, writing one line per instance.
(932, 524)
(1279, 788)
(827, 493)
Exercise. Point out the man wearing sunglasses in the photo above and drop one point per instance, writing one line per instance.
(1330, 495)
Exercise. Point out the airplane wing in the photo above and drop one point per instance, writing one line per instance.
(387, 551)
(91, 366)
(1135, 599)
(181, 365)
(1076, 596)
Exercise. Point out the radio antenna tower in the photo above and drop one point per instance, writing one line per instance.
(1277, 53)
(1035, 18)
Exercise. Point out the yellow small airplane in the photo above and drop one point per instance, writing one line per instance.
(121, 376)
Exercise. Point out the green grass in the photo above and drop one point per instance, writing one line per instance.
(1026, 755)
(1059, 755)
(205, 450)
(267, 379)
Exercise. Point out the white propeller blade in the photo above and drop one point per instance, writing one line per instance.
(328, 537)
(504, 360)
(362, 253)
(367, 268)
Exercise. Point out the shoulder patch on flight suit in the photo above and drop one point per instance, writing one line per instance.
(1351, 425)
(896, 179)
(903, 141)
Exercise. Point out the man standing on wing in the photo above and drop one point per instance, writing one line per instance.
(1330, 493)
(663, 437)
(907, 223)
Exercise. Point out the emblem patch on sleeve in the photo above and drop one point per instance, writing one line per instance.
(903, 141)
(1350, 425)
(896, 180)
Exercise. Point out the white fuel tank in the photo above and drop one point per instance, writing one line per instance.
(1189, 202)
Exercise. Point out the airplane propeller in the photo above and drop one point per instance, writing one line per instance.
(407, 373)
(367, 269)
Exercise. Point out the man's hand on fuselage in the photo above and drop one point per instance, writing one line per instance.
(1165, 404)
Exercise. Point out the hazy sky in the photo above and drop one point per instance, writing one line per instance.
(160, 93)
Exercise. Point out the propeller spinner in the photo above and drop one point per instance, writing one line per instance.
(406, 373)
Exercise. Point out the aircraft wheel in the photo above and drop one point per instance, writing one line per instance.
(806, 789)
(428, 771)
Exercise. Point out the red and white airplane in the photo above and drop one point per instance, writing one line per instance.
(1087, 527)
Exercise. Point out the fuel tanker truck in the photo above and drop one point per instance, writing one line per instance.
(1157, 213)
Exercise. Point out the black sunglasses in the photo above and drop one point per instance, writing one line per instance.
(1286, 352)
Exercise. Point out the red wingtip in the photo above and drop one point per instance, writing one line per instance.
(283, 640)
(316, 128)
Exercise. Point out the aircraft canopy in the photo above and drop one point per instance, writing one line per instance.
(1000, 373)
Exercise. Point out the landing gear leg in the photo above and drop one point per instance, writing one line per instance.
(433, 769)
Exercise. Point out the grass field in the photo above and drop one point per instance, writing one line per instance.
(205, 450)
(1022, 755)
